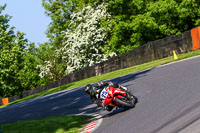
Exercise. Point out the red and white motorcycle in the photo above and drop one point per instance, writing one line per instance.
(117, 97)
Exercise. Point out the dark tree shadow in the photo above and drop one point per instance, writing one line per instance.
(130, 77)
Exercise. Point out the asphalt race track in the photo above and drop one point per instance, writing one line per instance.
(169, 102)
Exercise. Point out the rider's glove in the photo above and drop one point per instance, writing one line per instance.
(124, 88)
(100, 83)
(110, 83)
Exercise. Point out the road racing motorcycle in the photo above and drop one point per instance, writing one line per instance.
(117, 97)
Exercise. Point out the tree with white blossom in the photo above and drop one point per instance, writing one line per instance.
(83, 43)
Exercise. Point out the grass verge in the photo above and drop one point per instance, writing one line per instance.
(110, 75)
(56, 124)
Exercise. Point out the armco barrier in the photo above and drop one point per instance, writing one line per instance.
(151, 51)
(14, 98)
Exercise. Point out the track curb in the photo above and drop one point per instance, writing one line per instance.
(94, 124)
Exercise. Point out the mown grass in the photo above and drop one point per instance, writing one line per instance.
(56, 124)
(110, 75)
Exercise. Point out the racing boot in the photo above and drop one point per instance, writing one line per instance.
(99, 103)
(108, 108)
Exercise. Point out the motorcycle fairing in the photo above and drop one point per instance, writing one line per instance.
(108, 95)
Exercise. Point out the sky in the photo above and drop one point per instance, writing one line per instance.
(28, 16)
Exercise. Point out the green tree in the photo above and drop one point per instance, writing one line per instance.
(29, 74)
(59, 11)
(82, 45)
(17, 60)
(55, 69)
(52, 65)
(136, 22)
(132, 24)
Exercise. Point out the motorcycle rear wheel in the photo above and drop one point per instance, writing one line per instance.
(124, 103)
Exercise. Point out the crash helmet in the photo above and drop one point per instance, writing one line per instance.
(89, 89)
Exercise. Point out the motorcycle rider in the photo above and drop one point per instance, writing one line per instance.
(95, 90)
